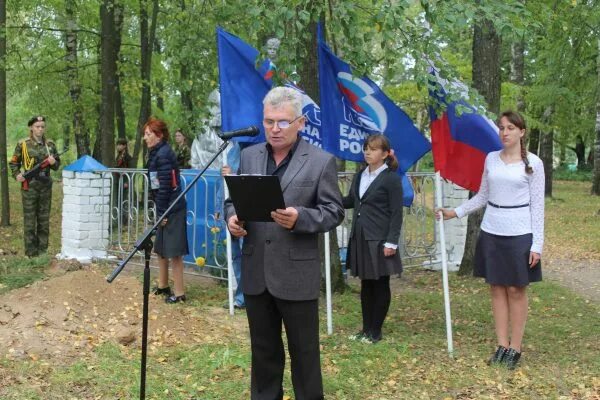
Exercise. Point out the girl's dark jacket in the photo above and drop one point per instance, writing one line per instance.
(165, 182)
(379, 211)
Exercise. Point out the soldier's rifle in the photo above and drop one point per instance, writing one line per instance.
(30, 173)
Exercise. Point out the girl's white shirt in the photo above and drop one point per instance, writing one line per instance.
(509, 185)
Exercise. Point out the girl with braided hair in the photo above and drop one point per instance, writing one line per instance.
(510, 244)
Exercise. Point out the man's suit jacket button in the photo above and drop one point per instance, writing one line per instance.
(267, 241)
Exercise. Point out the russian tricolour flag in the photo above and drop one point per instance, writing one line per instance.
(460, 143)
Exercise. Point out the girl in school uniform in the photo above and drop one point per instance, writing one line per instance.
(510, 243)
(376, 196)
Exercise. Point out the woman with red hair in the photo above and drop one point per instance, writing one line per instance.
(165, 185)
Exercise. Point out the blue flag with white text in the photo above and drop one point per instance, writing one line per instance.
(353, 108)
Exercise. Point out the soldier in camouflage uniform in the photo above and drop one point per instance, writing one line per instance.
(37, 197)
(182, 150)
(123, 159)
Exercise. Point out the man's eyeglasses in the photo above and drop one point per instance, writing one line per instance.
(283, 124)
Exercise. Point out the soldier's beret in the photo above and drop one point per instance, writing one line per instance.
(35, 119)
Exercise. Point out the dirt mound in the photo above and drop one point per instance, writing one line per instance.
(73, 312)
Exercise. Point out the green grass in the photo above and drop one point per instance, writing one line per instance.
(16, 270)
(560, 354)
(21, 271)
(11, 237)
(572, 223)
(560, 351)
(564, 174)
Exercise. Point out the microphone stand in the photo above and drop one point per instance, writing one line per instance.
(145, 243)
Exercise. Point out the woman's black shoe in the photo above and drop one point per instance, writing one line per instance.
(175, 299)
(498, 356)
(511, 359)
(358, 336)
(164, 291)
(375, 338)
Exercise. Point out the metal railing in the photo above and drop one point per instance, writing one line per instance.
(417, 242)
(132, 211)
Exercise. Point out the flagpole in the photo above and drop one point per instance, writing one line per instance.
(438, 196)
(230, 273)
(328, 284)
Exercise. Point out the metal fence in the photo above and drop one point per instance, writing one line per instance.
(417, 242)
(132, 211)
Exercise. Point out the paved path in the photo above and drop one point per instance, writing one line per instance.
(583, 277)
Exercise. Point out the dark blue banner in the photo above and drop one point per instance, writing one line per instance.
(243, 88)
(355, 107)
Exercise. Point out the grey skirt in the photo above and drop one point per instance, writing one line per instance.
(365, 258)
(171, 239)
(504, 260)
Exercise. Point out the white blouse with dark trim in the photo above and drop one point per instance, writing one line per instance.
(509, 185)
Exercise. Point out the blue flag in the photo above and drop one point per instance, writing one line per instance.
(241, 84)
(243, 88)
(354, 108)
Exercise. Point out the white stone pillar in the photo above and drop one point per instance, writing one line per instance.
(456, 228)
(86, 212)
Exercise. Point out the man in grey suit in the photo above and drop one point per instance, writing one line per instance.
(280, 259)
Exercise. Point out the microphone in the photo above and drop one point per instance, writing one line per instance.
(249, 131)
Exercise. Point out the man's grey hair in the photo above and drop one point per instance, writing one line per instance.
(281, 95)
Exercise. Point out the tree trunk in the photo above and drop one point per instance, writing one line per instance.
(187, 103)
(96, 149)
(186, 99)
(119, 110)
(66, 135)
(109, 72)
(547, 155)
(517, 70)
(5, 217)
(160, 87)
(596, 178)
(146, 41)
(309, 68)
(534, 141)
(82, 135)
(580, 152)
(486, 79)
(308, 71)
(486, 64)
(562, 155)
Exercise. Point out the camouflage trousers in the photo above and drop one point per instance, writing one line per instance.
(37, 202)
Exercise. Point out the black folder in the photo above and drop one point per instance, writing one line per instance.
(255, 196)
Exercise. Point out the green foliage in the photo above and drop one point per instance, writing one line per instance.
(566, 174)
(560, 68)
(392, 41)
